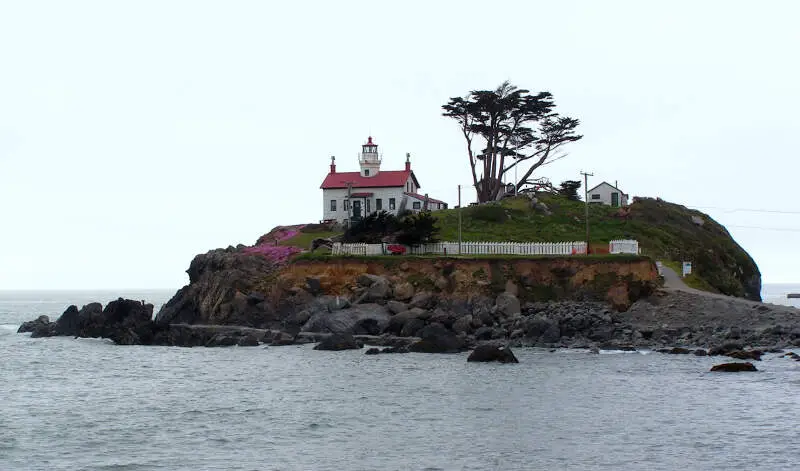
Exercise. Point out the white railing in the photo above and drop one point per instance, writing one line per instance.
(624, 246)
(469, 248)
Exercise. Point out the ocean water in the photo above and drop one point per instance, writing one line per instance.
(776, 294)
(86, 404)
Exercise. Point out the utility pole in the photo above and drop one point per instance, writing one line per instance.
(586, 205)
(349, 203)
(459, 219)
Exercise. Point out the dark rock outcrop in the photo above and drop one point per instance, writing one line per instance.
(124, 321)
(734, 367)
(39, 327)
(487, 353)
(337, 342)
(368, 319)
(676, 351)
(219, 284)
(435, 338)
(745, 355)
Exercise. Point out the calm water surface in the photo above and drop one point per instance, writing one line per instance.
(87, 404)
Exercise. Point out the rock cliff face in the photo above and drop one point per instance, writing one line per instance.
(226, 288)
(229, 287)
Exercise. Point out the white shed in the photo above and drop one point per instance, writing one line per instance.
(607, 194)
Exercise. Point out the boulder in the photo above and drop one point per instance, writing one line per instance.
(223, 340)
(360, 319)
(397, 349)
(398, 321)
(403, 291)
(411, 327)
(423, 300)
(372, 351)
(700, 352)
(281, 339)
(536, 326)
(675, 351)
(745, 354)
(368, 280)
(507, 305)
(725, 348)
(483, 333)
(734, 367)
(446, 318)
(378, 290)
(71, 320)
(337, 342)
(435, 338)
(463, 324)
(486, 353)
(248, 341)
(396, 307)
(39, 326)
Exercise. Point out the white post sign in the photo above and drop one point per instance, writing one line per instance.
(659, 267)
(687, 268)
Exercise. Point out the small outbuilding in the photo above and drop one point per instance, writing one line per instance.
(607, 194)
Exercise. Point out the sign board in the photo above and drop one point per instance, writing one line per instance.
(660, 266)
(687, 268)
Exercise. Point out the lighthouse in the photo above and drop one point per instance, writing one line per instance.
(369, 159)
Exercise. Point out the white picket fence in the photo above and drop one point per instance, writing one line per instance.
(623, 246)
(502, 248)
(469, 248)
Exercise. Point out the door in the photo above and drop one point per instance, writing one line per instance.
(615, 199)
(356, 209)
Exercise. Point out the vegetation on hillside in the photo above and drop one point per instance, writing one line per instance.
(665, 231)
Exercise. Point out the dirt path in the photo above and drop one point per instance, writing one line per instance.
(673, 282)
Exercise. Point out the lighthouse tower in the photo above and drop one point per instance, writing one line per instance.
(369, 159)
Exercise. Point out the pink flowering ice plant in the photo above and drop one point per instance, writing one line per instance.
(279, 254)
(268, 245)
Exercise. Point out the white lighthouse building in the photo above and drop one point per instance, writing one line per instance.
(350, 196)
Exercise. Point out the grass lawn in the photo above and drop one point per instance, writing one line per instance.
(304, 239)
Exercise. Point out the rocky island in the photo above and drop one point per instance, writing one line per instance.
(269, 294)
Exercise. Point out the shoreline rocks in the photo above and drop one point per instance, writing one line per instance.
(423, 318)
(734, 367)
(490, 353)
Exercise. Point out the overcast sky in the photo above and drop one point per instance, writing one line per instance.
(134, 135)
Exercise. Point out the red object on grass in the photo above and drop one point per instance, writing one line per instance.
(396, 249)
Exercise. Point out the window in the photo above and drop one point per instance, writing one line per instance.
(408, 187)
(333, 205)
(366, 172)
(347, 205)
(378, 204)
(368, 211)
(417, 205)
(391, 204)
(595, 196)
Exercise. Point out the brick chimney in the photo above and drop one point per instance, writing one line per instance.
(333, 164)
(408, 161)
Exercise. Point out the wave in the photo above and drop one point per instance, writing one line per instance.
(6, 328)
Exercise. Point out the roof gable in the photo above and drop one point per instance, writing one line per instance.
(384, 179)
(606, 183)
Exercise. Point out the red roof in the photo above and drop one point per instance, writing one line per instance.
(386, 178)
(422, 197)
